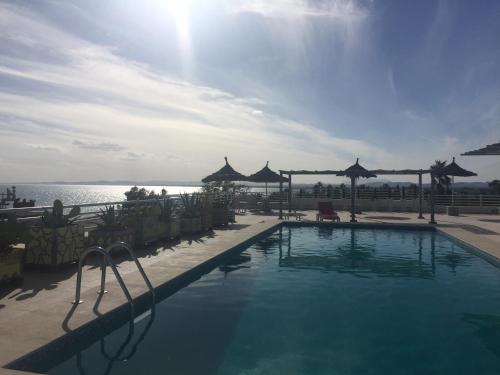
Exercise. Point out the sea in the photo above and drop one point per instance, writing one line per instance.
(45, 194)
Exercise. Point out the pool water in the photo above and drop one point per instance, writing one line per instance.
(309, 300)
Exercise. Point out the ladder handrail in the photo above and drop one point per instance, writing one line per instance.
(127, 247)
(107, 257)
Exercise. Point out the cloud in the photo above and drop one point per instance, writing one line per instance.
(300, 8)
(103, 146)
(187, 127)
(45, 147)
(132, 156)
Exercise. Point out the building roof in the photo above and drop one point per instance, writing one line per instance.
(493, 149)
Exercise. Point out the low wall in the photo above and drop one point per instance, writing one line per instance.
(389, 205)
(488, 210)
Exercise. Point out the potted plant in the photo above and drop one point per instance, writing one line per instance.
(144, 219)
(206, 212)
(190, 213)
(221, 213)
(168, 206)
(111, 228)
(11, 250)
(57, 239)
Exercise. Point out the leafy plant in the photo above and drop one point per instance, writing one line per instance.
(221, 201)
(136, 194)
(167, 206)
(206, 203)
(11, 232)
(191, 205)
(495, 186)
(57, 219)
(442, 182)
(111, 219)
(224, 187)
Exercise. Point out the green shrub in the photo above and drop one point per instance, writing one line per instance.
(191, 206)
(111, 219)
(11, 232)
(57, 219)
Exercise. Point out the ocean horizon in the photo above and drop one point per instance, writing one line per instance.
(44, 194)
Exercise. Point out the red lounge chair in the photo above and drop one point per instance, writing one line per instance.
(327, 212)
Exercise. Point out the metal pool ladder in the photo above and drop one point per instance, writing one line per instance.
(107, 260)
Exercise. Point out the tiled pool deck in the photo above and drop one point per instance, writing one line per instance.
(40, 312)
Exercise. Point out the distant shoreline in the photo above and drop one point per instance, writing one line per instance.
(468, 184)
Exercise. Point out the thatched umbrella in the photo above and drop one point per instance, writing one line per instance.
(266, 175)
(493, 149)
(452, 169)
(226, 173)
(353, 172)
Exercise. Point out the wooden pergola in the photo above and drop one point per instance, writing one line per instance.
(388, 172)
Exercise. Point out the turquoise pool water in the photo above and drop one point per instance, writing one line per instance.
(309, 300)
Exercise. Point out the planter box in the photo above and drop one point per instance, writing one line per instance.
(53, 247)
(220, 216)
(150, 230)
(106, 238)
(11, 265)
(191, 225)
(206, 220)
(174, 228)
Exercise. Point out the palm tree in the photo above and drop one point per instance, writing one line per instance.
(495, 186)
(318, 189)
(442, 182)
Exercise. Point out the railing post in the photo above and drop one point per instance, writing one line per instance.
(289, 193)
(420, 195)
(432, 221)
(480, 200)
(281, 196)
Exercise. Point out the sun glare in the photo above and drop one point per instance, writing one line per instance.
(179, 10)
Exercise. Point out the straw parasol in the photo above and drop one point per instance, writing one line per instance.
(353, 172)
(266, 175)
(493, 149)
(452, 169)
(226, 173)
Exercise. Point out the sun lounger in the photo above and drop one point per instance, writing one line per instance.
(326, 212)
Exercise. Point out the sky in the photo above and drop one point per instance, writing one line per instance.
(163, 90)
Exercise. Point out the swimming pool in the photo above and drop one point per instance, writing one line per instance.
(318, 300)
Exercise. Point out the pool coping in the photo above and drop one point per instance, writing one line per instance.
(116, 317)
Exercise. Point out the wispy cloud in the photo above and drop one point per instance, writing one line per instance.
(300, 8)
(45, 147)
(133, 156)
(103, 146)
(151, 113)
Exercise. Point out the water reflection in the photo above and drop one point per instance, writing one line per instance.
(119, 355)
(235, 263)
(365, 253)
(453, 259)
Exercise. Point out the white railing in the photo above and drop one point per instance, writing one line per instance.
(468, 200)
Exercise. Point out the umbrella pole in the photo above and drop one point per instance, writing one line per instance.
(432, 200)
(452, 190)
(353, 200)
(420, 193)
(266, 189)
(281, 196)
(289, 193)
